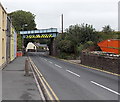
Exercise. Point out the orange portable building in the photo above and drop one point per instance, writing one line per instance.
(110, 45)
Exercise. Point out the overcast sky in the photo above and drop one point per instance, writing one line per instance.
(48, 12)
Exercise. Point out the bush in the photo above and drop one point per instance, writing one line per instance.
(67, 56)
(65, 46)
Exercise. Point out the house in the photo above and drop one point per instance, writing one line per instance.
(3, 28)
(13, 44)
(8, 39)
(31, 47)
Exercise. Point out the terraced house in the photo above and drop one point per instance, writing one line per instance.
(3, 27)
(13, 44)
(8, 39)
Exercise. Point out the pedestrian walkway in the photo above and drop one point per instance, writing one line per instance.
(16, 86)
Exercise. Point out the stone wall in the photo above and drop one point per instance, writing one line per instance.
(111, 64)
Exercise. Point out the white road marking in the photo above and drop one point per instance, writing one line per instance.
(73, 73)
(50, 62)
(105, 88)
(45, 59)
(58, 66)
(37, 83)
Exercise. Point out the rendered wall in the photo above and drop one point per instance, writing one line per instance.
(3, 28)
(13, 44)
(8, 40)
(0, 36)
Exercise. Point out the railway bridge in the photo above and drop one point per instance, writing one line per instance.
(50, 33)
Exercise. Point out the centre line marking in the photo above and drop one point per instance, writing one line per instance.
(73, 73)
(105, 88)
(50, 62)
(58, 66)
(45, 59)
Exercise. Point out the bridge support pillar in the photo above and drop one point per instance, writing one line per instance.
(52, 47)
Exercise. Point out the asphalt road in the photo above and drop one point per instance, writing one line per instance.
(74, 82)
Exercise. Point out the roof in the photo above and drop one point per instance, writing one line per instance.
(40, 45)
(3, 8)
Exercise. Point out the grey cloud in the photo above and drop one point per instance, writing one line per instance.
(96, 12)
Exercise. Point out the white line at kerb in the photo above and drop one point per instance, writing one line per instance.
(105, 88)
(58, 66)
(73, 73)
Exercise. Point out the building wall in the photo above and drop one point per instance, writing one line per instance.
(8, 40)
(13, 44)
(3, 28)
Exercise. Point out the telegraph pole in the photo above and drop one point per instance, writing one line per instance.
(62, 23)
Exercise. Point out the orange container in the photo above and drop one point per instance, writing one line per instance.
(19, 54)
(110, 45)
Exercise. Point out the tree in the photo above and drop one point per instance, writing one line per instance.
(76, 38)
(65, 46)
(19, 42)
(107, 29)
(23, 20)
(79, 34)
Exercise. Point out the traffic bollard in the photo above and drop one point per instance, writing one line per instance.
(26, 67)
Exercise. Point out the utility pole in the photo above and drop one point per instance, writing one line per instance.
(62, 23)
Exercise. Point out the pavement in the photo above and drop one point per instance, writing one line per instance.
(75, 61)
(16, 86)
(75, 82)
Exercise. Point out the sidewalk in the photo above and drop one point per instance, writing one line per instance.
(16, 86)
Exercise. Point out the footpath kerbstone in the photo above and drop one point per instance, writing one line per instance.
(16, 86)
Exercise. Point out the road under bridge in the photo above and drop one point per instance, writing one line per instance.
(50, 34)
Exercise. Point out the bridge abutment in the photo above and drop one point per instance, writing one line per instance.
(52, 47)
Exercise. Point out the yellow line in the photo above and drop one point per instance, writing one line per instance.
(88, 67)
(42, 81)
(50, 89)
(46, 83)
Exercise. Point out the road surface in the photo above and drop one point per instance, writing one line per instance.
(74, 82)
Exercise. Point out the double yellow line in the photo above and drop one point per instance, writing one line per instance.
(45, 84)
